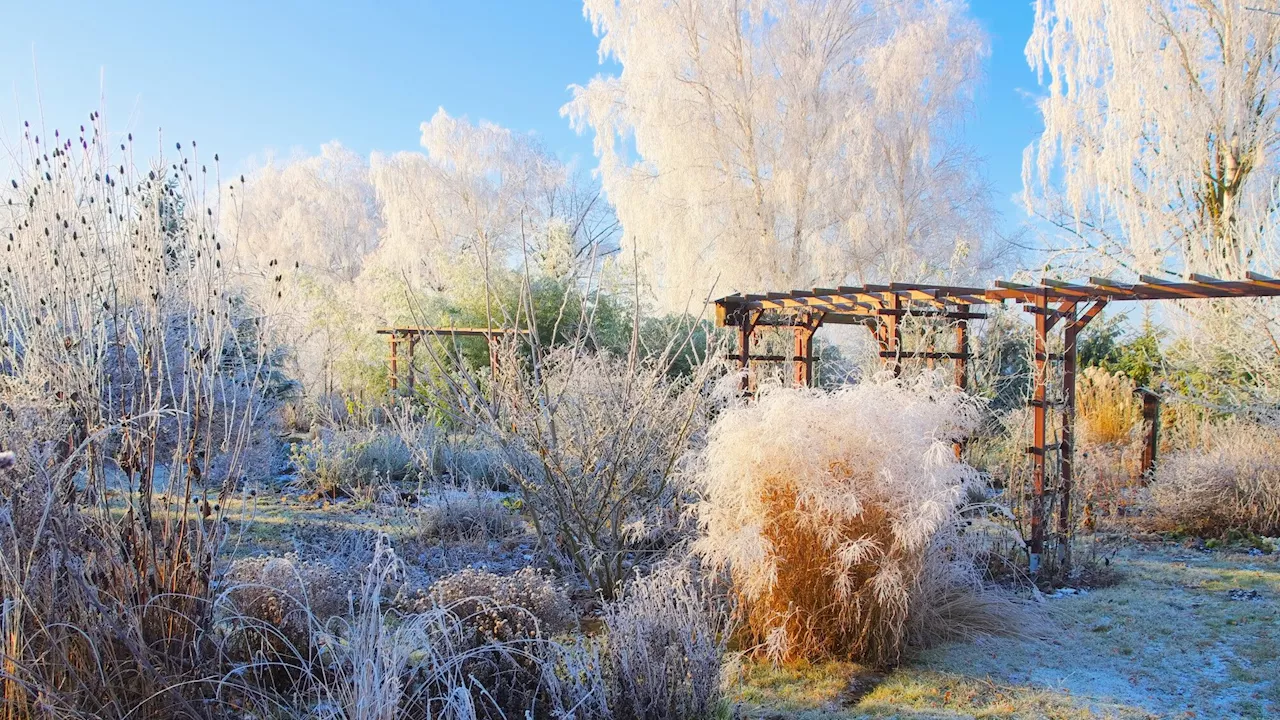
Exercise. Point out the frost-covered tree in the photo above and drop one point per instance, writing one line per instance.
(480, 199)
(318, 212)
(1162, 131)
(777, 143)
(351, 244)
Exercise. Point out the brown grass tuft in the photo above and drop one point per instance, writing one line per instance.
(838, 516)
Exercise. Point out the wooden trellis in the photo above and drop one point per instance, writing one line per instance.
(1055, 305)
(410, 336)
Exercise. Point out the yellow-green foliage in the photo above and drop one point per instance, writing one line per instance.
(1109, 408)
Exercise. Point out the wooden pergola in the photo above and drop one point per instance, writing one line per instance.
(411, 335)
(1055, 305)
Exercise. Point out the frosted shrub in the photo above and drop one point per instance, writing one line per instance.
(665, 644)
(344, 461)
(511, 620)
(832, 510)
(128, 361)
(475, 516)
(1232, 483)
(470, 460)
(504, 608)
(596, 442)
(381, 668)
(274, 606)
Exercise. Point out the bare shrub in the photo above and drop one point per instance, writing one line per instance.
(596, 443)
(664, 648)
(838, 515)
(1232, 483)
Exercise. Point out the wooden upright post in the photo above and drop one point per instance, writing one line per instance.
(1151, 415)
(1038, 445)
(1066, 447)
(394, 371)
(413, 340)
(893, 336)
(746, 327)
(804, 330)
(492, 346)
(962, 365)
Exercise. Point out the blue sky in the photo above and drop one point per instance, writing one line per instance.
(243, 78)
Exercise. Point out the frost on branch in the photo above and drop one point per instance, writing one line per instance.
(779, 143)
(1161, 129)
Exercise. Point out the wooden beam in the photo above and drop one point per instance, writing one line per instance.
(943, 314)
(1069, 289)
(406, 331)
(393, 374)
(1038, 432)
(1262, 280)
(924, 355)
(1088, 316)
(1066, 458)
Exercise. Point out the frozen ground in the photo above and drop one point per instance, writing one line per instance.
(1184, 634)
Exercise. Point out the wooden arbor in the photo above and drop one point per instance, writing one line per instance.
(410, 336)
(1055, 305)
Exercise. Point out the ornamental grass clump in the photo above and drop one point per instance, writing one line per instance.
(665, 647)
(1233, 483)
(838, 514)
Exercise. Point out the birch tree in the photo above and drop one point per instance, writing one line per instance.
(1162, 126)
(478, 200)
(351, 243)
(319, 212)
(780, 143)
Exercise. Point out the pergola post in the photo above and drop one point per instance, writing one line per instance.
(803, 337)
(1066, 446)
(746, 328)
(1151, 419)
(412, 342)
(1038, 427)
(962, 349)
(394, 375)
(893, 336)
(802, 332)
